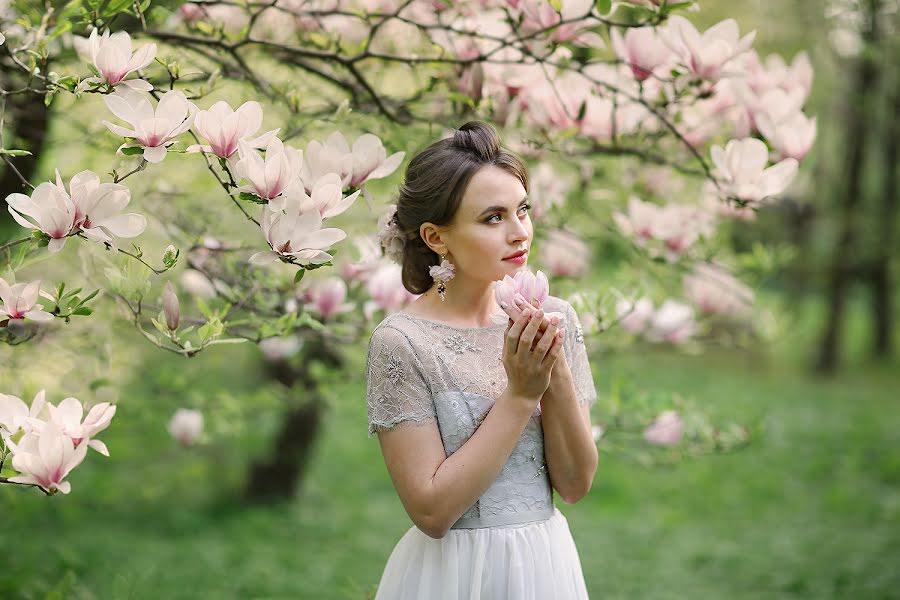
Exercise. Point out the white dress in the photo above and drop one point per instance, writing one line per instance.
(513, 543)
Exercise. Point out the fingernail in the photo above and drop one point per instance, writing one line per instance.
(560, 333)
(526, 312)
(554, 320)
(503, 305)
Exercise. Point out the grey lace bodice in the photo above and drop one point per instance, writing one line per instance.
(421, 372)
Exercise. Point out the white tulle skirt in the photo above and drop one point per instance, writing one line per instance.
(534, 561)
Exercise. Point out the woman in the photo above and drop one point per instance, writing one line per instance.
(465, 403)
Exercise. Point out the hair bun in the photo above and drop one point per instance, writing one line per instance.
(479, 138)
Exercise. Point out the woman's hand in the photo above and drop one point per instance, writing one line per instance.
(529, 361)
(522, 304)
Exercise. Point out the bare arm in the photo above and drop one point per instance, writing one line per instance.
(435, 489)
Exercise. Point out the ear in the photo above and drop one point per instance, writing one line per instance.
(431, 234)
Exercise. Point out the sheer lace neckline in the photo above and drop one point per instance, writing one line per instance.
(448, 325)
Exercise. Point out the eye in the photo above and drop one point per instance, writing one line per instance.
(526, 207)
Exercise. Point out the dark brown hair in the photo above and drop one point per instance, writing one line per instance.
(435, 181)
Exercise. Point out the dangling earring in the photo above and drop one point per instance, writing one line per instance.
(442, 274)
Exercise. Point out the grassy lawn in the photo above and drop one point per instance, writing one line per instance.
(811, 510)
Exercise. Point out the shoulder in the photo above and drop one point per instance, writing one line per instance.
(395, 332)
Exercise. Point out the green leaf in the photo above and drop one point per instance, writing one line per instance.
(132, 150)
(299, 275)
(603, 6)
(15, 152)
(204, 307)
(114, 7)
(83, 311)
(248, 197)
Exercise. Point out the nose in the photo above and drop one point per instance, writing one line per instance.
(519, 230)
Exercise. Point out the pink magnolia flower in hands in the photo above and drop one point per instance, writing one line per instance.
(20, 300)
(46, 458)
(113, 58)
(154, 130)
(666, 430)
(523, 290)
(67, 416)
(223, 128)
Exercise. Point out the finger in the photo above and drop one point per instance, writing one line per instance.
(555, 349)
(527, 337)
(515, 331)
(543, 328)
(512, 311)
(547, 338)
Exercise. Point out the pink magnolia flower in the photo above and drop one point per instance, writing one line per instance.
(634, 316)
(113, 58)
(639, 221)
(16, 416)
(50, 210)
(332, 156)
(565, 254)
(326, 196)
(528, 288)
(327, 297)
(706, 54)
(296, 235)
(20, 300)
(369, 251)
(792, 137)
(742, 173)
(271, 176)
(714, 290)
(46, 458)
(224, 128)
(97, 208)
(641, 49)
(186, 426)
(673, 322)
(154, 130)
(67, 416)
(548, 188)
(370, 160)
(678, 227)
(197, 284)
(666, 430)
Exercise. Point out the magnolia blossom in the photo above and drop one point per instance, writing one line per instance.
(171, 309)
(197, 284)
(20, 302)
(44, 459)
(153, 130)
(326, 196)
(390, 236)
(369, 251)
(385, 287)
(641, 49)
(792, 137)
(295, 235)
(50, 209)
(742, 173)
(639, 221)
(565, 254)
(370, 160)
(706, 54)
(67, 416)
(666, 430)
(113, 58)
(97, 208)
(271, 176)
(224, 128)
(186, 426)
(332, 156)
(547, 188)
(713, 290)
(673, 322)
(527, 288)
(634, 316)
(327, 297)
(16, 416)
(674, 227)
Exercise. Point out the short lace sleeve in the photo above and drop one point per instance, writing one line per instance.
(396, 389)
(576, 355)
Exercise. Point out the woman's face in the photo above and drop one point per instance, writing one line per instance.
(492, 223)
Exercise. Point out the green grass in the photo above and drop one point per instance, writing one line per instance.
(811, 510)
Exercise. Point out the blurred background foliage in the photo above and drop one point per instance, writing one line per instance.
(811, 508)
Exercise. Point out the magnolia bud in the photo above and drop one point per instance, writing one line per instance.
(170, 306)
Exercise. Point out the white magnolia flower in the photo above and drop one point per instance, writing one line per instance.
(153, 130)
(641, 49)
(20, 301)
(186, 426)
(16, 416)
(113, 58)
(712, 289)
(326, 196)
(296, 235)
(792, 137)
(742, 173)
(45, 458)
(97, 207)
(50, 210)
(673, 323)
(269, 176)
(370, 160)
(224, 128)
(634, 316)
(332, 156)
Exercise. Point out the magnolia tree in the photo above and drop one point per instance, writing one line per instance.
(657, 134)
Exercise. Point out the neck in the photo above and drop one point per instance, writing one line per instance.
(468, 303)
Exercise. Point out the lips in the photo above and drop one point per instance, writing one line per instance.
(515, 254)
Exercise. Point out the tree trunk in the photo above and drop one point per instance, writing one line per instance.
(839, 278)
(278, 476)
(881, 281)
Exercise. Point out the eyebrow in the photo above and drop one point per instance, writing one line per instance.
(500, 209)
